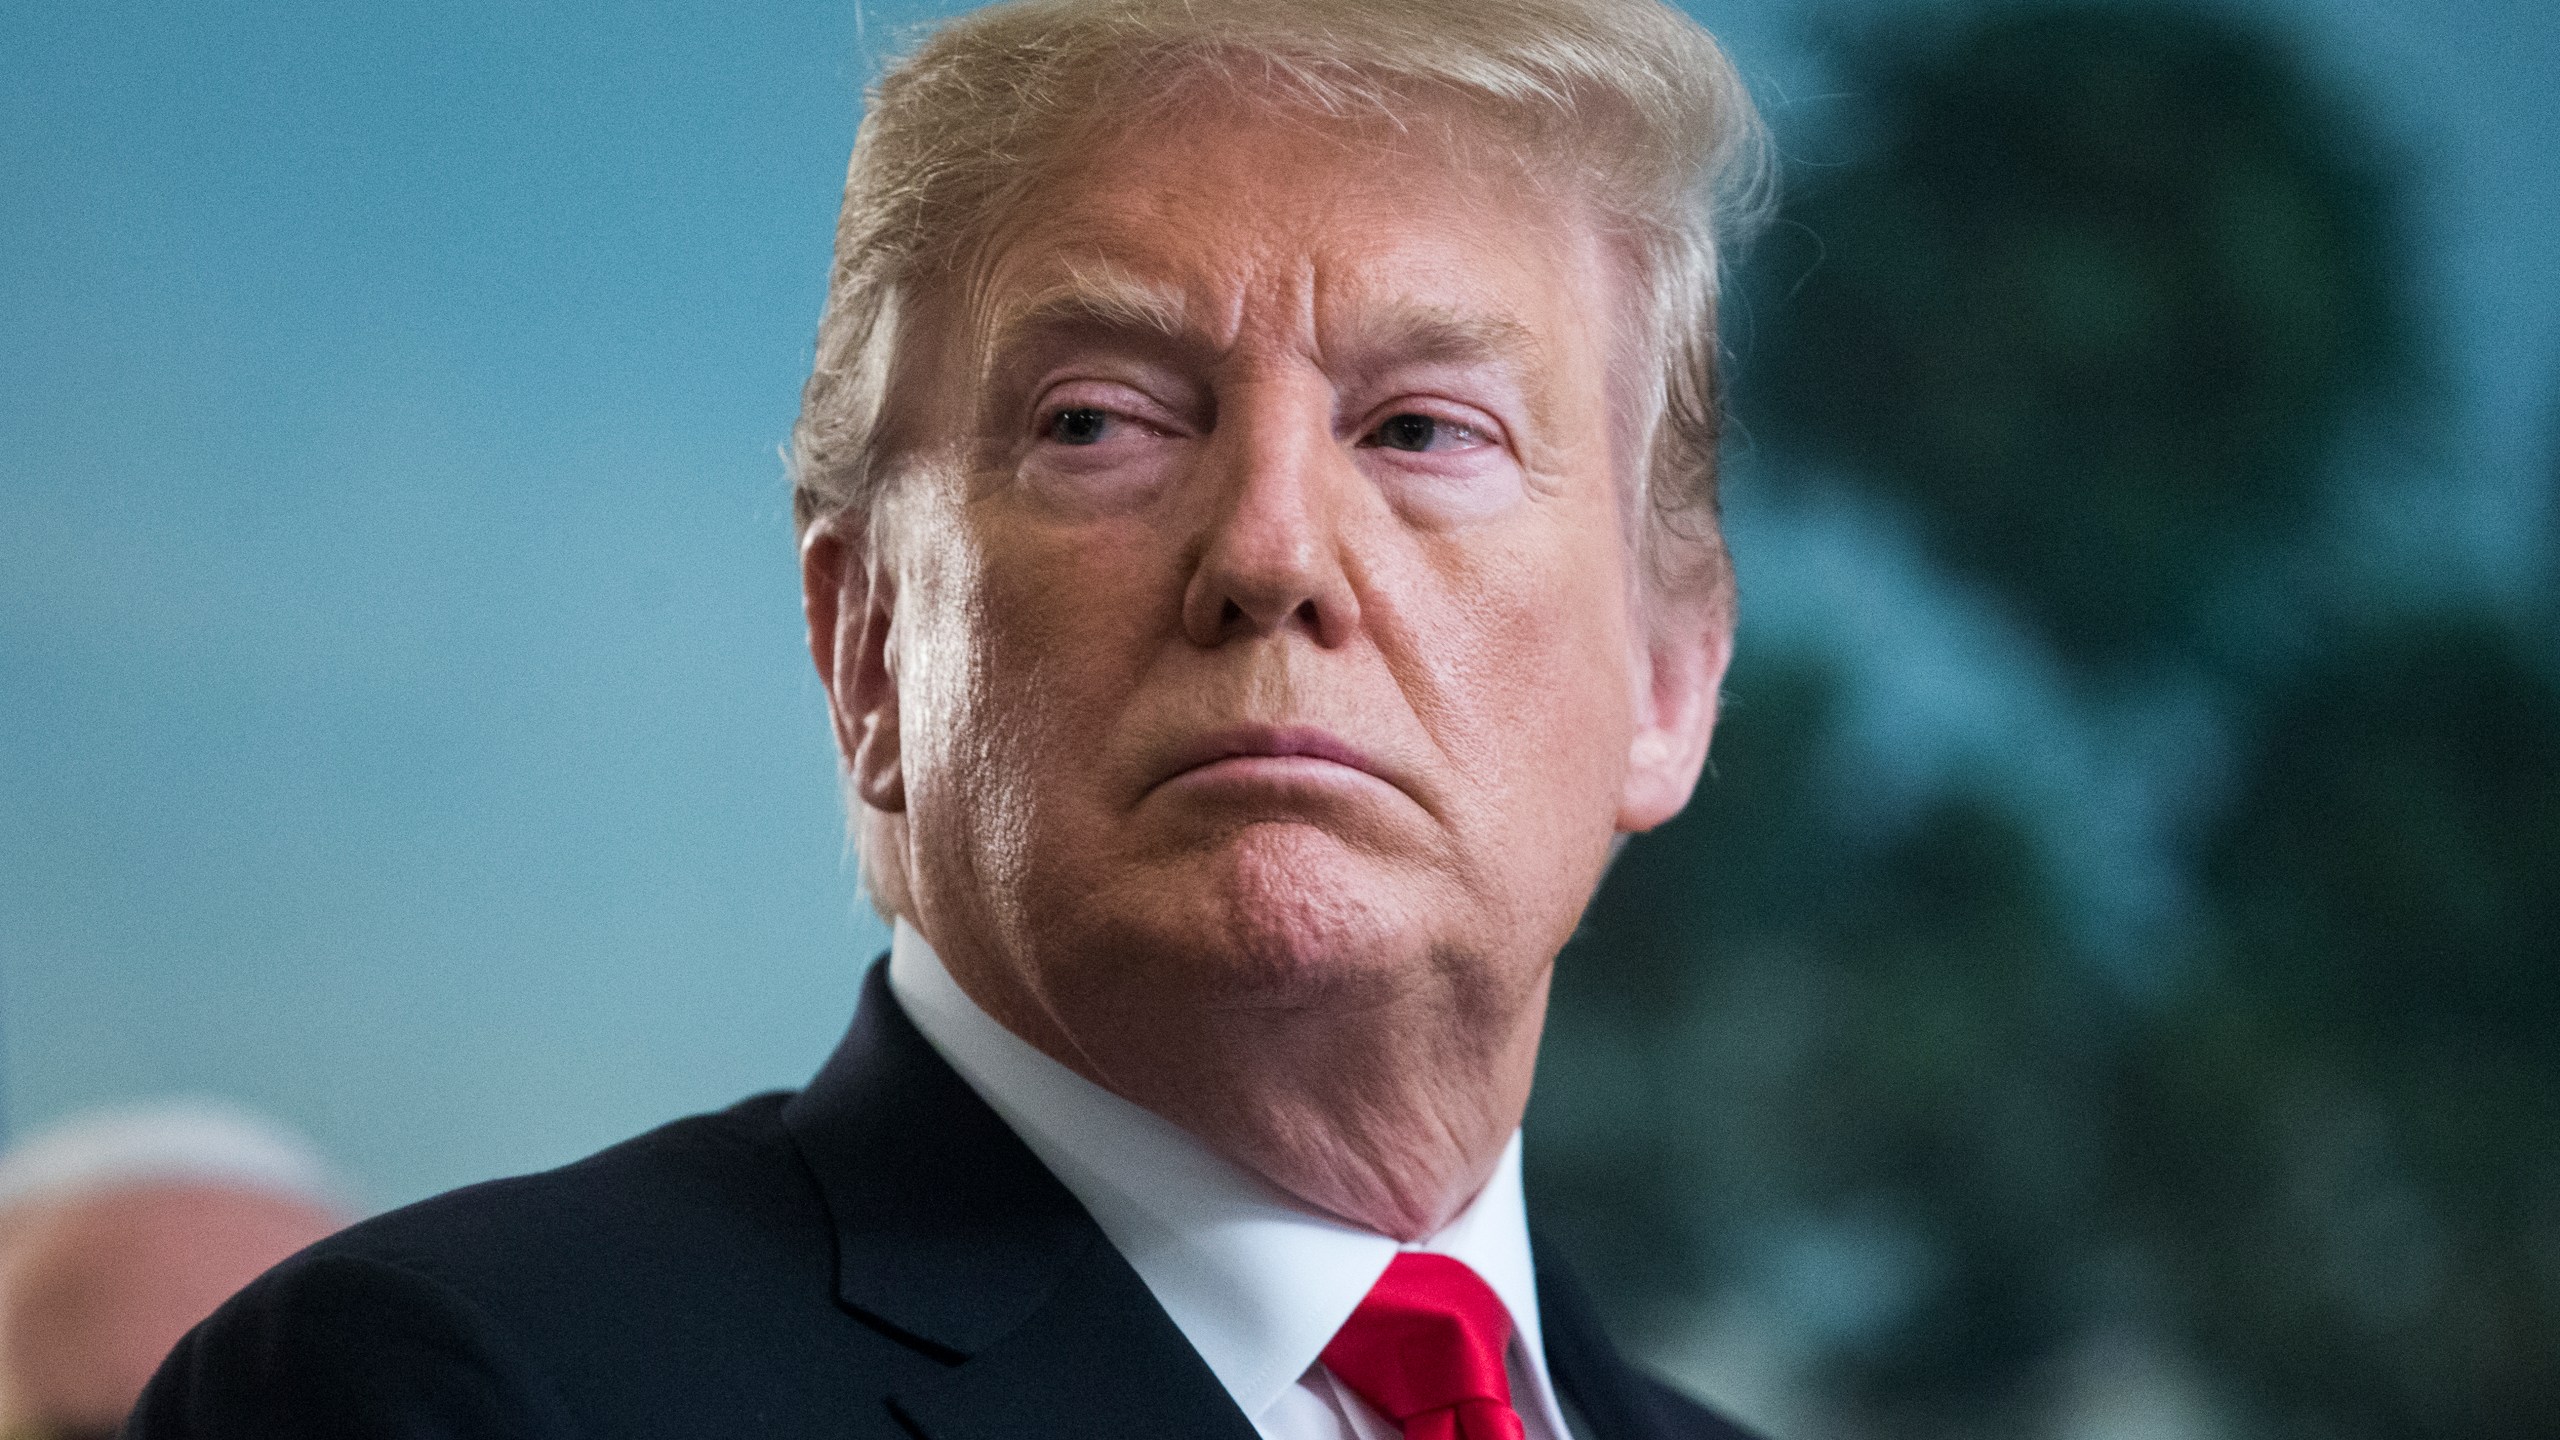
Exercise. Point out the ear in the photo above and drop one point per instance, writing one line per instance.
(1689, 644)
(850, 601)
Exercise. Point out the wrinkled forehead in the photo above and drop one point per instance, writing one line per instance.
(1268, 185)
(1223, 225)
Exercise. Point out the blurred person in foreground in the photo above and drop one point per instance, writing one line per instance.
(121, 1229)
(1257, 515)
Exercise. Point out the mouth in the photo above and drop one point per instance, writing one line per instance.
(1273, 755)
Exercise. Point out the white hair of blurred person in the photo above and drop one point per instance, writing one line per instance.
(119, 1230)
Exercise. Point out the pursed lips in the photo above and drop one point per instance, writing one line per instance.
(1292, 751)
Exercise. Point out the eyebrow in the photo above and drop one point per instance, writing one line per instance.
(1105, 300)
(1091, 300)
(1432, 334)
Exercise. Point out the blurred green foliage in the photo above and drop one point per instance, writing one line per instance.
(2100, 300)
(2096, 297)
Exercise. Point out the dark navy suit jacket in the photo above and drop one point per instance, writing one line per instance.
(875, 1256)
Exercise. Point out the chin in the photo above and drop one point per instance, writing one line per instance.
(1280, 914)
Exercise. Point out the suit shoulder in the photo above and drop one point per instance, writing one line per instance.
(681, 1284)
(710, 1169)
(684, 1188)
(341, 1345)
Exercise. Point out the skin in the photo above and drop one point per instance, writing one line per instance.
(1248, 679)
(96, 1289)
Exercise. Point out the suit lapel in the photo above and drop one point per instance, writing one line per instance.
(954, 1238)
(1594, 1382)
(1603, 1394)
(1099, 1360)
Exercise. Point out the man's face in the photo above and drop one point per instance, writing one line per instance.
(1266, 634)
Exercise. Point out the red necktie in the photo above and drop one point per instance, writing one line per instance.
(1425, 1350)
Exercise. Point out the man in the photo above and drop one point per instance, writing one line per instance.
(1257, 512)
(121, 1229)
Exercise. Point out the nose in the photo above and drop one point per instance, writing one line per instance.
(1273, 559)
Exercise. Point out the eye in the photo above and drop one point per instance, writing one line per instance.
(1420, 434)
(1095, 447)
(1079, 425)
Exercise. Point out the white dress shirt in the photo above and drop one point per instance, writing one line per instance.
(1257, 1282)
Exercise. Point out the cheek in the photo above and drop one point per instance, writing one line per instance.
(1537, 666)
(1038, 635)
(951, 724)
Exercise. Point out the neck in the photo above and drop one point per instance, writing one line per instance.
(1387, 1111)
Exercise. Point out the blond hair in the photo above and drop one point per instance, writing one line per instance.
(1652, 113)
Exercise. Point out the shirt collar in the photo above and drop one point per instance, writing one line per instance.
(1256, 1281)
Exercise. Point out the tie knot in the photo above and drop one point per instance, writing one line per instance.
(1428, 1343)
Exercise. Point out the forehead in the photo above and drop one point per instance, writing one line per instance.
(1232, 226)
